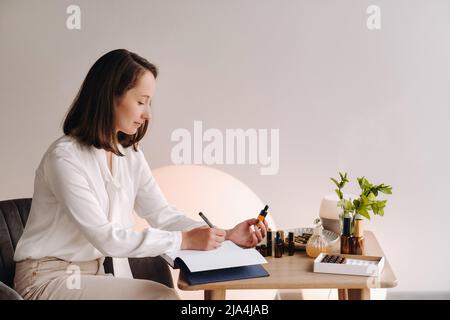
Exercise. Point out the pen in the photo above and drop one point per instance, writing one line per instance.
(206, 219)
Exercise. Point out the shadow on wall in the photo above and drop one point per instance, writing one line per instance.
(224, 199)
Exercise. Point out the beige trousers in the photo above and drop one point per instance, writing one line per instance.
(52, 278)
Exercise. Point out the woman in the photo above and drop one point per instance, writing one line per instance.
(86, 187)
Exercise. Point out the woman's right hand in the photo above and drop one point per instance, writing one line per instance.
(202, 238)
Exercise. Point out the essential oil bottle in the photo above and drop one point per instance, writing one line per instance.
(278, 246)
(357, 241)
(262, 215)
(269, 242)
(346, 236)
(291, 244)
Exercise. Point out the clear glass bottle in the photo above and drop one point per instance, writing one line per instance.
(317, 243)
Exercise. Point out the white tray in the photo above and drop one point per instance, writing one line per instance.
(369, 266)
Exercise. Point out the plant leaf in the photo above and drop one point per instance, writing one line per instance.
(385, 189)
(364, 213)
(365, 200)
(360, 182)
(335, 182)
(348, 206)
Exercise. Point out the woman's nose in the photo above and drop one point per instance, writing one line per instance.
(147, 115)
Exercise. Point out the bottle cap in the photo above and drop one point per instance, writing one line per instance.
(358, 230)
(346, 228)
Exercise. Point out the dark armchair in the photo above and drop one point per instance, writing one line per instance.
(14, 215)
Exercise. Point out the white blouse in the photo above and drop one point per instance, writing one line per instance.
(80, 211)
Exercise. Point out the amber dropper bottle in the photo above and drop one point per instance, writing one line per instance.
(278, 246)
(262, 215)
(269, 242)
(357, 241)
(291, 244)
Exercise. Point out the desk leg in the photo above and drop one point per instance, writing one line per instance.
(215, 294)
(342, 294)
(358, 294)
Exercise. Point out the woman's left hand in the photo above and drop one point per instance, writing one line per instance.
(248, 233)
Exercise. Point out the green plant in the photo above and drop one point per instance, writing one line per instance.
(345, 204)
(340, 185)
(367, 200)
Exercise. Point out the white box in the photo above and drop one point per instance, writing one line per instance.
(369, 266)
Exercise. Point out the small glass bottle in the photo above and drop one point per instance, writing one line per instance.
(263, 250)
(317, 243)
(269, 242)
(278, 246)
(357, 241)
(346, 236)
(262, 215)
(283, 242)
(291, 244)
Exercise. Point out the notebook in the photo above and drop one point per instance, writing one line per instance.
(228, 262)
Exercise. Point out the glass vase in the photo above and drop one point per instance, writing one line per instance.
(317, 243)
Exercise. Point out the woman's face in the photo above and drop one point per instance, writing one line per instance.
(133, 108)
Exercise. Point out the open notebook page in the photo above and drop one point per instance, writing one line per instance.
(226, 256)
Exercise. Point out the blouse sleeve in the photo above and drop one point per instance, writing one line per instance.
(151, 204)
(68, 183)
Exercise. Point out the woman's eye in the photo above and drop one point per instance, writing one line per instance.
(141, 103)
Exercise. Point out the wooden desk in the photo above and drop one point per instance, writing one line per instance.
(296, 272)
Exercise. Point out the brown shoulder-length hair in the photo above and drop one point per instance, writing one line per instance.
(91, 117)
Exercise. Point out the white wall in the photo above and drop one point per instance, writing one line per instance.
(373, 103)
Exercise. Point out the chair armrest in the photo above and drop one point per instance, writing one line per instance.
(6, 293)
(151, 268)
(148, 268)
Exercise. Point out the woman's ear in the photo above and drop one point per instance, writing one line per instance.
(116, 101)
